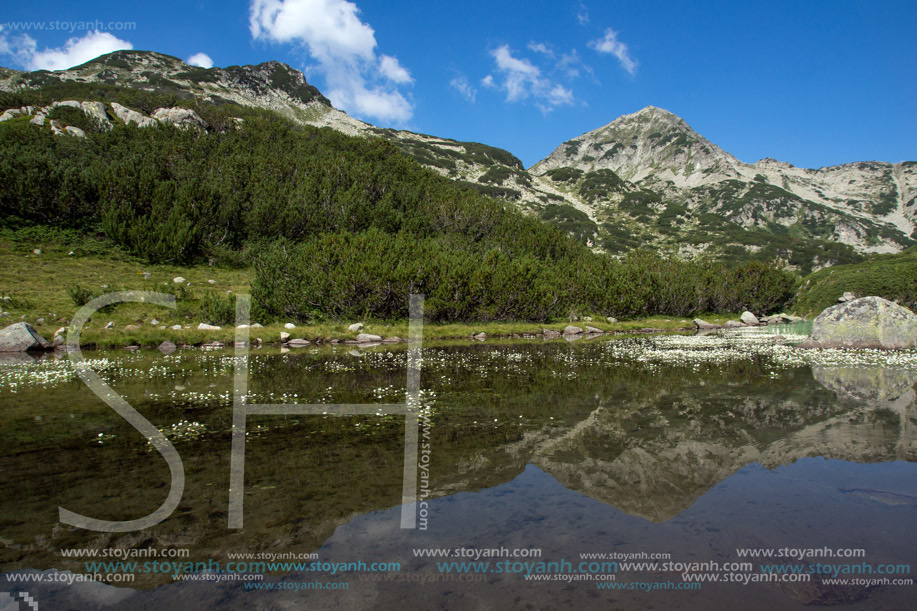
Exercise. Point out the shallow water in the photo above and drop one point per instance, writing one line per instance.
(691, 447)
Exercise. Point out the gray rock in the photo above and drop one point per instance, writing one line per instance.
(703, 324)
(6, 116)
(732, 324)
(97, 112)
(847, 296)
(38, 119)
(611, 319)
(167, 348)
(368, 337)
(181, 117)
(257, 326)
(297, 343)
(479, 336)
(284, 336)
(289, 325)
(593, 330)
(131, 116)
(154, 322)
(205, 327)
(550, 333)
(572, 330)
(69, 104)
(749, 319)
(75, 131)
(867, 322)
(110, 325)
(355, 327)
(175, 327)
(178, 280)
(21, 337)
(213, 345)
(132, 328)
(587, 319)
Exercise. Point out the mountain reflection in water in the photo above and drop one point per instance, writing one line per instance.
(562, 447)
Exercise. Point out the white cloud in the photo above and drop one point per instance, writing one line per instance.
(540, 47)
(345, 49)
(461, 84)
(611, 44)
(521, 79)
(583, 15)
(74, 52)
(392, 70)
(200, 59)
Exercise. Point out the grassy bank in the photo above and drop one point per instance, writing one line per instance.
(892, 276)
(37, 288)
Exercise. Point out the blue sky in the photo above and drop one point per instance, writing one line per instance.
(811, 83)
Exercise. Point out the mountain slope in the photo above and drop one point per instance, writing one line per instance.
(644, 180)
(677, 190)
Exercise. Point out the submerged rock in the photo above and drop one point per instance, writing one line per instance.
(867, 322)
(21, 337)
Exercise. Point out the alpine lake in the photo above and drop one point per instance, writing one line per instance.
(541, 464)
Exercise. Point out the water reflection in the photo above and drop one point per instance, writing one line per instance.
(551, 445)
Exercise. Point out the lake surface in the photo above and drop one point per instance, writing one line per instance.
(692, 448)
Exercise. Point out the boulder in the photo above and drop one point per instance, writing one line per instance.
(749, 319)
(21, 337)
(284, 336)
(732, 324)
(298, 343)
(703, 324)
(38, 119)
(550, 333)
(131, 116)
(69, 104)
(176, 327)
(368, 337)
(178, 280)
(289, 325)
(593, 330)
(572, 330)
(479, 336)
(355, 327)
(97, 112)
(611, 319)
(75, 131)
(181, 117)
(867, 322)
(847, 296)
(205, 327)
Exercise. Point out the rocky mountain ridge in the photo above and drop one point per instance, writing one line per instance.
(870, 206)
(644, 180)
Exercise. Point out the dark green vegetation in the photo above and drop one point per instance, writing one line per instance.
(338, 226)
(891, 276)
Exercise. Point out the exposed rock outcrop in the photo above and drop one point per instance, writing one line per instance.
(21, 337)
(867, 322)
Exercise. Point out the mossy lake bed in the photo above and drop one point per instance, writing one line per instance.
(692, 446)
